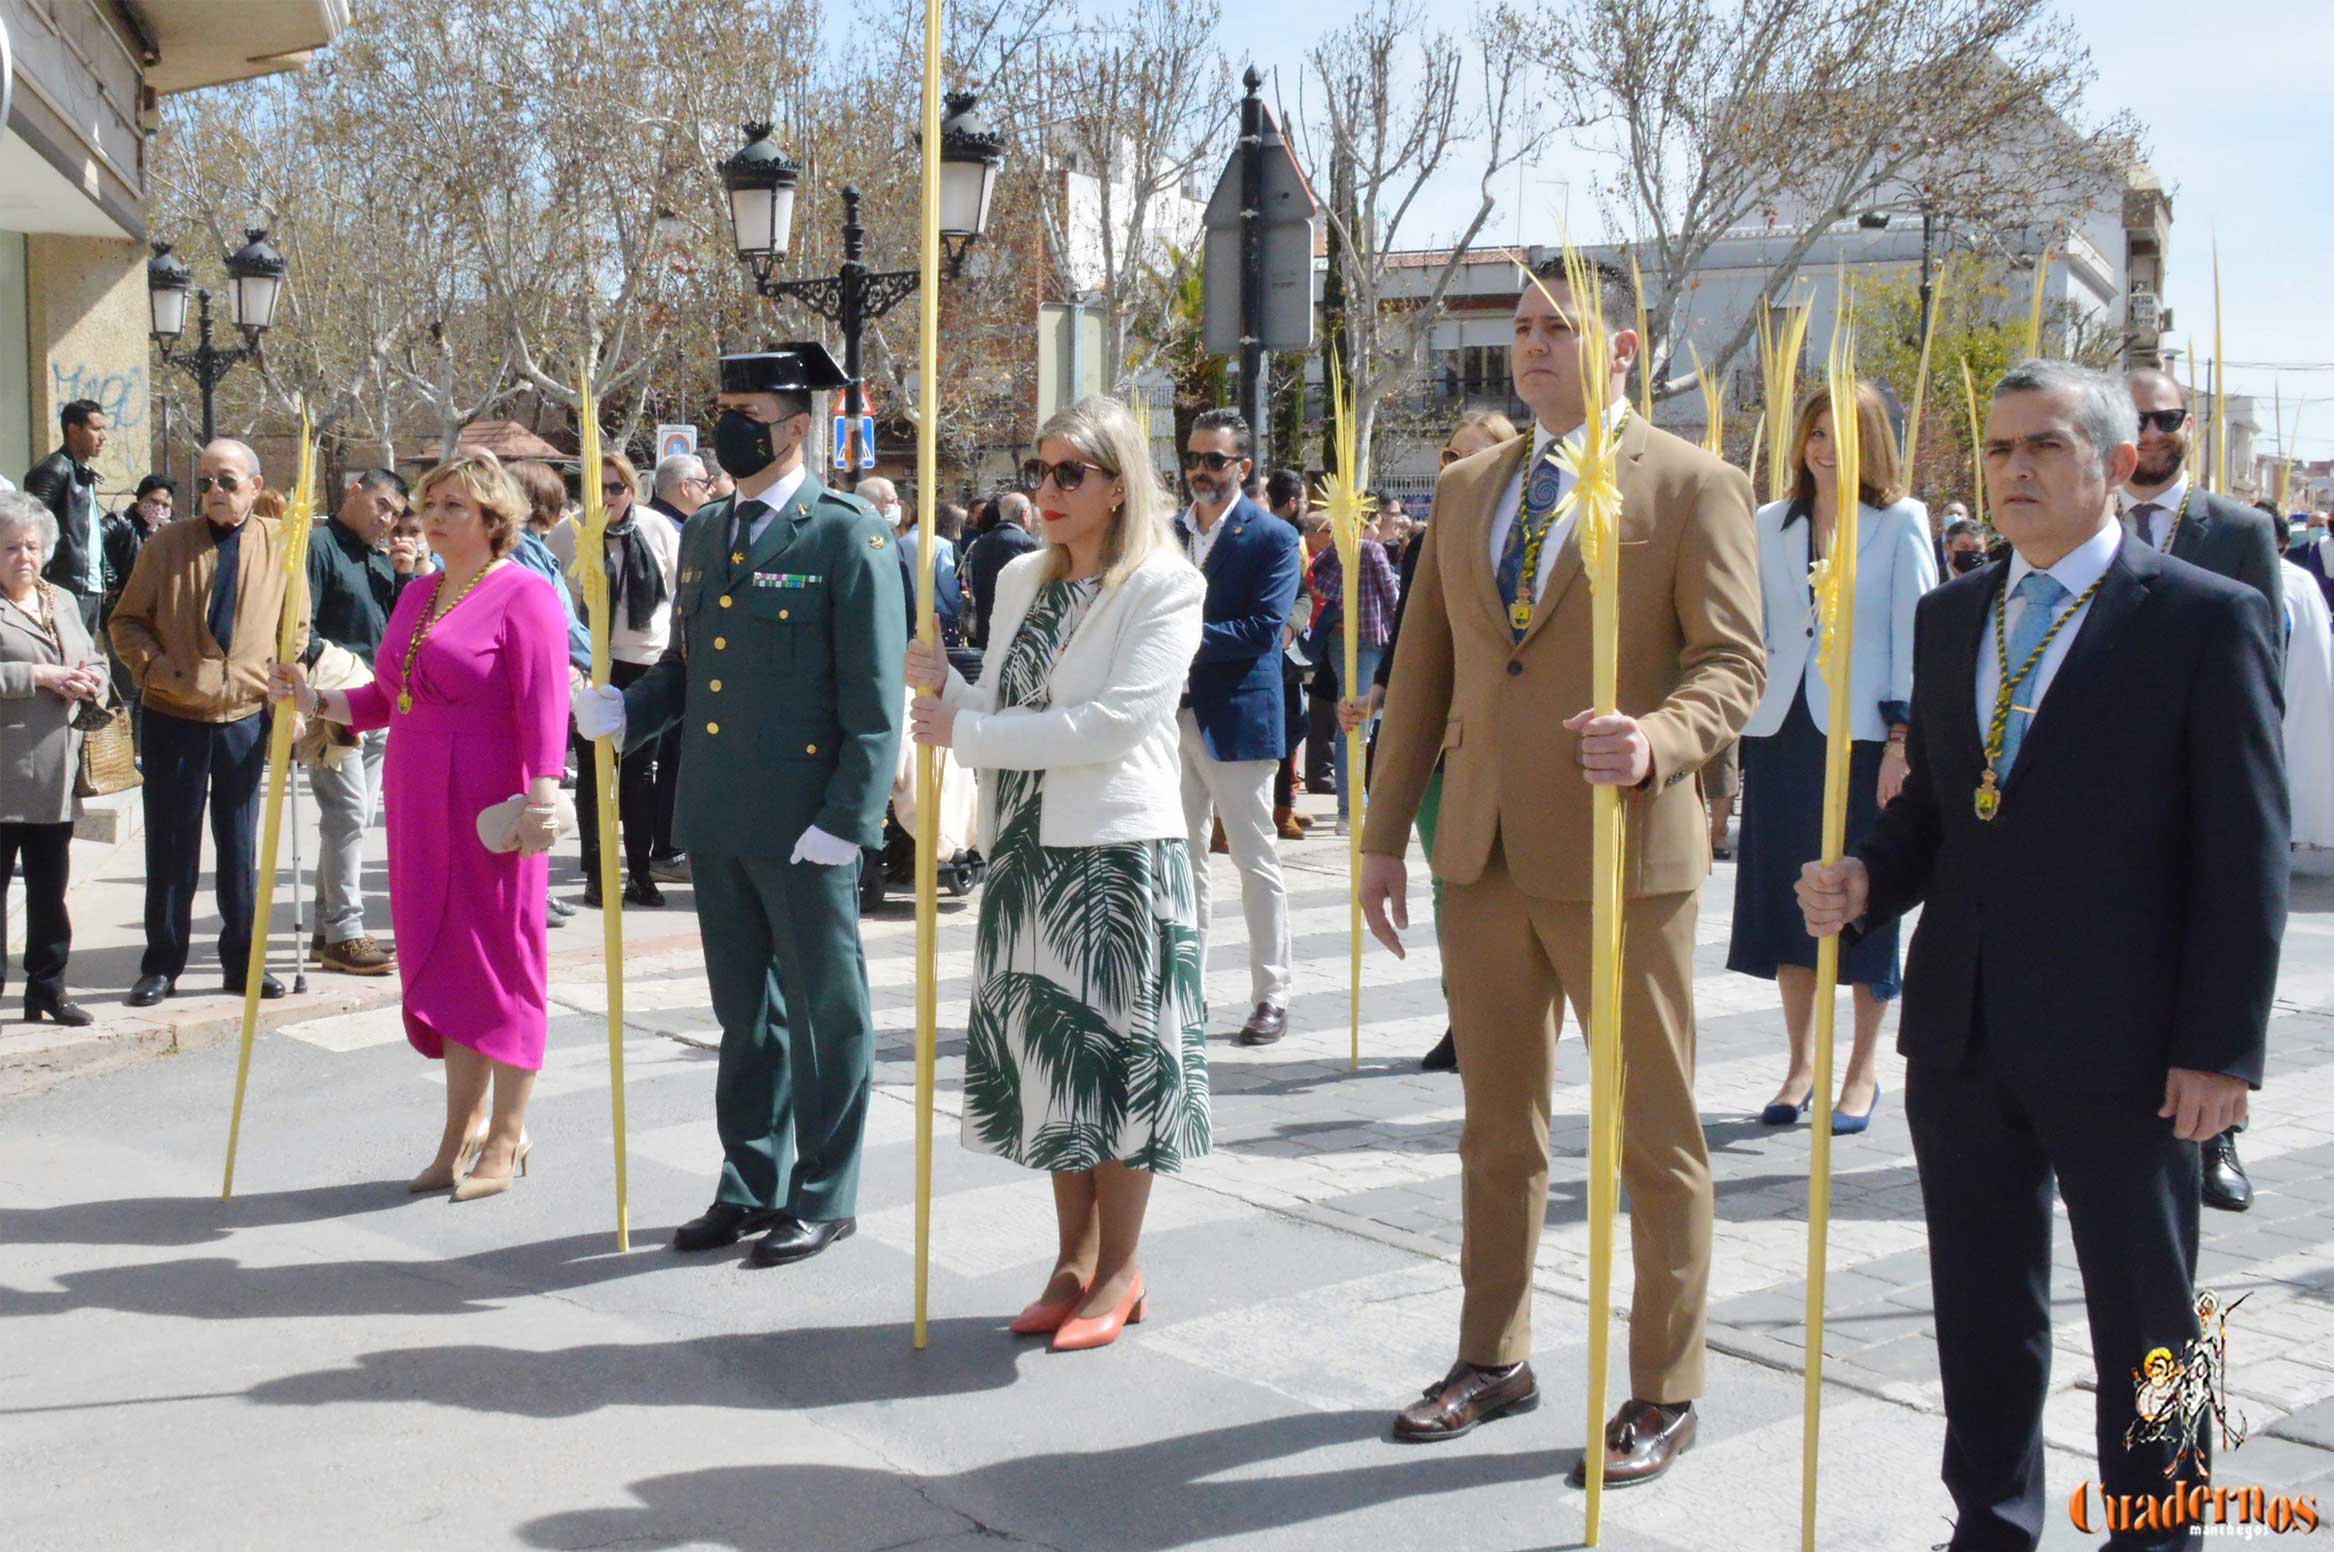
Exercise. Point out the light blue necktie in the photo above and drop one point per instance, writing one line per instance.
(2039, 596)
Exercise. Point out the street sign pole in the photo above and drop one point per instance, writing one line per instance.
(1252, 385)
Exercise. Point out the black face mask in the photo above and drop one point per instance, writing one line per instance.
(1968, 560)
(743, 444)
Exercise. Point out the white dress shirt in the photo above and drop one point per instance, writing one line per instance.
(773, 501)
(2159, 522)
(2083, 565)
(1511, 503)
(1203, 539)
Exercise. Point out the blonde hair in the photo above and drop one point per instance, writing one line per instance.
(1876, 474)
(488, 484)
(611, 458)
(1490, 422)
(1103, 430)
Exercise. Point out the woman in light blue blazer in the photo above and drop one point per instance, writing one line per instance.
(1783, 745)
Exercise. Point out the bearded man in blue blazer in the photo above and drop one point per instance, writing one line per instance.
(1232, 717)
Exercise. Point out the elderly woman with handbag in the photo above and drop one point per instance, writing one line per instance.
(51, 679)
(471, 681)
(1086, 1044)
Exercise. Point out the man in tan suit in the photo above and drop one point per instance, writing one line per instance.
(1492, 678)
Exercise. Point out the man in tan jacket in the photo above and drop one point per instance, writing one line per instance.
(1494, 678)
(196, 630)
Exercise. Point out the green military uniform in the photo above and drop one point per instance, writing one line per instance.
(786, 675)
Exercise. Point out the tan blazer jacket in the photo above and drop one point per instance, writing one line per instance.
(1492, 709)
(40, 753)
(161, 629)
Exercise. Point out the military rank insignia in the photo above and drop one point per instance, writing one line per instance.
(875, 541)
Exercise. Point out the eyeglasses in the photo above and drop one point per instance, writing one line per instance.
(2166, 421)
(614, 488)
(225, 482)
(1067, 475)
(1214, 463)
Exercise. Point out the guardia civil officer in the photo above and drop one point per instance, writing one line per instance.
(785, 675)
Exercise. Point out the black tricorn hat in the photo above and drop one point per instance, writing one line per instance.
(801, 366)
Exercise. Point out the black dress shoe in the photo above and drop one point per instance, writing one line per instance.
(1465, 1399)
(1443, 1058)
(2225, 1183)
(151, 989)
(57, 1006)
(1266, 1025)
(724, 1223)
(269, 987)
(644, 893)
(792, 1239)
(591, 889)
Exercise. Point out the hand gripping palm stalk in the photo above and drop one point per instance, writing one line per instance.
(1340, 496)
(292, 545)
(1594, 500)
(591, 574)
(1834, 582)
(928, 632)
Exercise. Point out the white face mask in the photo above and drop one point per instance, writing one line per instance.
(891, 513)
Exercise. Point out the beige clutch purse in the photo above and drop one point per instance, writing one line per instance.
(498, 824)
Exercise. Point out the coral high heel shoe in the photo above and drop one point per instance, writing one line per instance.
(1082, 1332)
(1043, 1317)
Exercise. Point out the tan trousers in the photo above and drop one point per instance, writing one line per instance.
(1508, 958)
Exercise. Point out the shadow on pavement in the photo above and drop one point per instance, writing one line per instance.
(191, 1220)
(1178, 1491)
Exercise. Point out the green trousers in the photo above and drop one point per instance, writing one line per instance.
(1430, 809)
(789, 979)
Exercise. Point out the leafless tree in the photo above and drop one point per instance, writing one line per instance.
(1787, 117)
(1390, 105)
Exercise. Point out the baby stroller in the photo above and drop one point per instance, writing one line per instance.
(894, 863)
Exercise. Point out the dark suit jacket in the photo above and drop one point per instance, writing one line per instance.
(988, 556)
(51, 483)
(2121, 913)
(2233, 540)
(1252, 572)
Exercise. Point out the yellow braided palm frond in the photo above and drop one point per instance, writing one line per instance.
(1339, 495)
(1833, 583)
(1595, 496)
(591, 555)
(299, 517)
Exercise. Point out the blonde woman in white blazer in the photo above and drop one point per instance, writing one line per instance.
(1783, 744)
(1085, 1046)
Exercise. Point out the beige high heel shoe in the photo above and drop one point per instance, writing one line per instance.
(437, 1180)
(472, 1188)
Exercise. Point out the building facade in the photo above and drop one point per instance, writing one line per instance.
(84, 79)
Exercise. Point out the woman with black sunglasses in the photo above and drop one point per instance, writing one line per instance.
(1086, 1042)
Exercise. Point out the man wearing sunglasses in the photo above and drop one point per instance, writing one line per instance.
(1233, 715)
(2163, 507)
(196, 627)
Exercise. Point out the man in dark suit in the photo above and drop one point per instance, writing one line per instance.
(1233, 736)
(2099, 847)
(1007, 539)
(66, 483)
(2168, 511)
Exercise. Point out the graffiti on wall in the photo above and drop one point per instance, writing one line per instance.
(122, 395)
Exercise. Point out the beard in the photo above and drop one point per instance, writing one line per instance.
(2159, 467)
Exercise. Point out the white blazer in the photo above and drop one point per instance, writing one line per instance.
(1107, 737)
(1895, 565)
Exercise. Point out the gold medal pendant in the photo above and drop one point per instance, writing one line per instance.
(404, 701)
(1519, 615)
(1989, 799)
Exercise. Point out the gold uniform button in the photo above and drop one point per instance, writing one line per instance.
(716, 687)
(782, 614)
(811, 749)
(721, 643)
(725, 600)
(712, 727)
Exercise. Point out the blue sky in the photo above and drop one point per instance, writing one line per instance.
(2231, 125)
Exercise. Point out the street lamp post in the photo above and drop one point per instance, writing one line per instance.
(255, 281)
(761, 181)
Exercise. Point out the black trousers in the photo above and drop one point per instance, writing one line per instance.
(635, 794)
(1989, 1149)
(47, 850)
(668, 788)
(1321, 731)
(187, 764)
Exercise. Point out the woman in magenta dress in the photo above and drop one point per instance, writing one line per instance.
(471, 682)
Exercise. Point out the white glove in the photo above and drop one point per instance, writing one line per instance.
(598, 713)
(819, 847)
